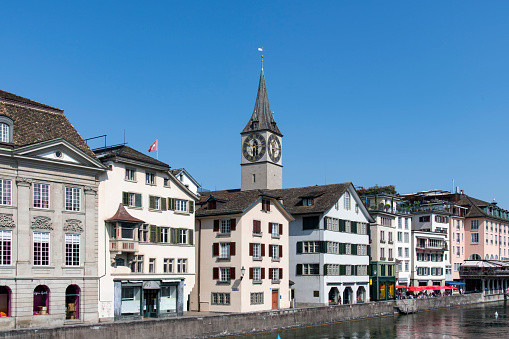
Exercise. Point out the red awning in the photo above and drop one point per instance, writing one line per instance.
(123, 215)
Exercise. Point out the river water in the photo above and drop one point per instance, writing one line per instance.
(473, 321)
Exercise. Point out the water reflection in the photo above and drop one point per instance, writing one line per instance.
(476, 321)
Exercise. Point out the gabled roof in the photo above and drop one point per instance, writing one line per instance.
(34, 122)
(123, 215)
(262, 119)
(475, 210)
(231, 202)
(324, 197)
(126, 152)
(177, 171)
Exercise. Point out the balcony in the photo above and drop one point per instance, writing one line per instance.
(391, 259)
(130, 246)
(442, 247)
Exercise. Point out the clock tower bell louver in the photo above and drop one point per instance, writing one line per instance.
(261, 166)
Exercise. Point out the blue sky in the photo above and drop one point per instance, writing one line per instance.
(413, 94)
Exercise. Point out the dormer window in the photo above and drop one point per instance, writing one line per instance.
(211, 205)
(5, 129)
(4, 132)
(307, 202)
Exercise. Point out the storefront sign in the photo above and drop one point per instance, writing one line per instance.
(151, 285)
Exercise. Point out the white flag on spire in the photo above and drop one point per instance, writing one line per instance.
(260, 49)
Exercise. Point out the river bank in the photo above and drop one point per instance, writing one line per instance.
(211, 326)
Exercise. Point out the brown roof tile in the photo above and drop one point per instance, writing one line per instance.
(123, 215)
(127, 152)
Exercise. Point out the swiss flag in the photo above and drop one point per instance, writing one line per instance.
(153, 147)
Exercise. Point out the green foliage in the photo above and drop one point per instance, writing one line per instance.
(391, 189)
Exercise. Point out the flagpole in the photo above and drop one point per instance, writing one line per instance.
(157, 149)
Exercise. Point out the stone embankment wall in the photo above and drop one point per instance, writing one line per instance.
(238, 323)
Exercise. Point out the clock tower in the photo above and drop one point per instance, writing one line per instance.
(261, 165)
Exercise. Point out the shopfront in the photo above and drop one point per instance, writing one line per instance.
(148, 299)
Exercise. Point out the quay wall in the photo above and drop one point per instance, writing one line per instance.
(210, 326)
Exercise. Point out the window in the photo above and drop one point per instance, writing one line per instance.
(266, 205)
(257, 227)
(426, 218)
(166, 182)
(164, 234)
(154, 203)
(475, 238)
(441, 219)
(224, 226)
(143, 233)
(151, 265)
(274, 274)
(400, 251)
(168, 265)
(347, 200)
(382, 253)
(407, 264)
(310, 247)
(474, 225)
(458, 225)
(4, 132)
(181, 265)
(256, 251)
(72, 249)
(407, 252)
(224, 274)
(41, 300)
(406, 223)
(407, 237)
(127, 231)
(257, 298)
(180, 205)
(400, 223)
(5, 192)
(400, 236)
(390, 254)
(390, 237)
(224, 250)
(274, 252)
(72, 199)
(382, 236)
(309, 223)
(307, 202)
(130, 174)
(150, 178)
(137, 264)
(220, 299)
(275, 229)
(256, 274)
(183, 236)
(41, 195)
(5, 247)
(132, 199)
(310, 269)
(41, 248)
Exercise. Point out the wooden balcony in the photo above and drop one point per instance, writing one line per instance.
(130, 246)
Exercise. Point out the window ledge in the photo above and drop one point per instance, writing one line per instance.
(223, 235)
(257, 234)
(134, 207)
(277, 282)
(276, 260)
(257, 259)
(41, 209)
(154, 210)
(223, 282)
(149, 184)
(43, 267)
(223, 259)
(275, 236)
(73, 212)
(263, 211)
(182, 212)
(133, 181)
(257, 282)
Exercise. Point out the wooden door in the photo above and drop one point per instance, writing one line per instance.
(275, 299)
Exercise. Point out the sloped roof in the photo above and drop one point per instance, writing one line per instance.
(34, 122)
(324, 197)
(230, 202)
(475, 210)
(261, 119)
(123, 215)
(127, 152)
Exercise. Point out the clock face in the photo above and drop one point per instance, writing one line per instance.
(274, 146)
(253, 148)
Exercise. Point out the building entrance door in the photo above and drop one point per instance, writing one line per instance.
(150, 303)
(275, 299)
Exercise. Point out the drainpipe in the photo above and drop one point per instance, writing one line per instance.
(198, 273)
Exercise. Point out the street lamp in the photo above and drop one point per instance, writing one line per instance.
(242, 272)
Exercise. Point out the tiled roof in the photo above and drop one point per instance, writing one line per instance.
(34, 122)
(262, 119)
(324, 197)
(236, 201)
(127, 152)
(175, 172)
(123, 215)
(475, 210)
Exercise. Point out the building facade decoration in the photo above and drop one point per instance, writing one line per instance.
(42, 223)
(73, 225)
(7, 221)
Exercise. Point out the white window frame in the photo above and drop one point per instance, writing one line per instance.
(5, 130)
(150, 178)
(72, 199)
(168, 265)
(347, 201)
(5, 192)
(257, 251)
(40, 195)
(151, 265)
(257, 274)
(224, 250)
(72, 249)
(224, 226)
(275, 229)
(41, 238)
(275, 252)
(256, 298)
(183, 236)
(224, 274)
(473, 237)
(5, 247)
(182, 265)
(164, 234)
(275, 274)
(130, 174)
(180, 205)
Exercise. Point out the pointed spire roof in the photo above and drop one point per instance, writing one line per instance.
(262, 118)
(123, 215)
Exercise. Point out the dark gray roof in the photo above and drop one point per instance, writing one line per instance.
(126, 152)
(236, 201)
(475, 210)
(261, 119)
(34, 122)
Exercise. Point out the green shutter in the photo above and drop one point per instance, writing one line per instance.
(171, 204)
(299, 247)
(353, 227)
(342, 270)
(323, 246)
(354, 248)
(163, 204)
(342, 226)
(151, 202)
(174, 235)
(190, 236)
(299, 269)
(191, 206)
(325, 269)
(342, 248)
(125, 198)
(153, 233)
(137, 200)
(325, 222)
(158, 234)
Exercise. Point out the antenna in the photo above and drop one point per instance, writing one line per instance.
(124, 136)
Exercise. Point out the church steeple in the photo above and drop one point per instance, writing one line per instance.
(262, 118)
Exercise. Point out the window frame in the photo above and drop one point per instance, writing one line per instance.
(168, 264)
(5, 253)
(130, 174)
(39, 238)
(41, 195)
(3, 196)
(70, 199)
(72, 249)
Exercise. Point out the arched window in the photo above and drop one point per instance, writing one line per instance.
(72, 302)
(475, 256)
(41, 300)
(496, 256)
(347, 200)
(487, 257)
(4, 132)
(492, 257)
(5, 301)
(361, 295)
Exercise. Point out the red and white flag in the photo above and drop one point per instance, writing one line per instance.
(153, 147)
